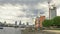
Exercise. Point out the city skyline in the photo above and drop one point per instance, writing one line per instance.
(24, 10)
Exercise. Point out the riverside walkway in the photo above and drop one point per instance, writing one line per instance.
(53, 31)
(43, 32)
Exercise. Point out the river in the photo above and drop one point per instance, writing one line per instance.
(10, 30)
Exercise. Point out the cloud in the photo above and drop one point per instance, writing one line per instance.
(24, 10)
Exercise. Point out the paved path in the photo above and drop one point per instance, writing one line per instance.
(43, 32)
(53, 31)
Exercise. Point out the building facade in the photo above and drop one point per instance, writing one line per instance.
(38, 22)
(52, 12)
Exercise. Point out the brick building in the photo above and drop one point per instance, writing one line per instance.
(38, 22)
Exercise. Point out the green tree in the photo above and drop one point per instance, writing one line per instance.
(47, 23)
(57, 21)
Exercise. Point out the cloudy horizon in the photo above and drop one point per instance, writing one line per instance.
(24, 10)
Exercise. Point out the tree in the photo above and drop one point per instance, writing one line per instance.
(57, 21)
(47, 23)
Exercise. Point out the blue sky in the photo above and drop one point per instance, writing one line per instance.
(25, 10)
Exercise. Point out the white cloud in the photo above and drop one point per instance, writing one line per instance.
(11, 11)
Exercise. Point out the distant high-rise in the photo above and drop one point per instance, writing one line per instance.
(20, 23)
(27, 23)
(52, 11)
(15, 22)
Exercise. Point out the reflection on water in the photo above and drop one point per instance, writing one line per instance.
(10, 30)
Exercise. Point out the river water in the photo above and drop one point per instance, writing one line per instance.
(10, 30)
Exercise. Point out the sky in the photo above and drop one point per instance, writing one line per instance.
(25, 10)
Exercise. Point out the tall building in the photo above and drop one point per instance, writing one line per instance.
(15, 22)
(20, 23)
(52, 11)
(27, 23)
